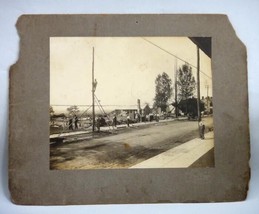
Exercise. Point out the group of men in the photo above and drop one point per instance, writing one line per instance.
(114, 123)
(73, 123)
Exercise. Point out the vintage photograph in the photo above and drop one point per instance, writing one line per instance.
(130, 102)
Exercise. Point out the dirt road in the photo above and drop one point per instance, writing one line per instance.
(123, 149)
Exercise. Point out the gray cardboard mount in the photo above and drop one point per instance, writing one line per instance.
(31, 181)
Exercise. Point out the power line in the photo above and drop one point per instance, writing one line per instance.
(91, 105)
(174, 55)
(69, 105)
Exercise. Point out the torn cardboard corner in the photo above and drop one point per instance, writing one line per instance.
(31, 182)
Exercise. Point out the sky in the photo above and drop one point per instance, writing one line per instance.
(125, 69)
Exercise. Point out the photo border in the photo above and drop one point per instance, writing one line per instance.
(32, 182)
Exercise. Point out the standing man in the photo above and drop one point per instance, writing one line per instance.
(128, 120)
(76, 122)
(201, 129)
(98, 124)
(157, 117)
(137, 117)
(70, 123)
(115, 121)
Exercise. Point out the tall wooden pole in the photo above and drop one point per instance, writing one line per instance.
(207, 87)
(207, 99)
(175, 86)
(93, 89)
(198, 83)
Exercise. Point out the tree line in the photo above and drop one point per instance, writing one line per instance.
(186, 86)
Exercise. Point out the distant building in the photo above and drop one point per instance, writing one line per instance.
(132, 111)
(189, 107)
(122, 113)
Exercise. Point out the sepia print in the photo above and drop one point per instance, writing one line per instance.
(130, 102)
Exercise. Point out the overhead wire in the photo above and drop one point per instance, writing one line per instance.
(91, 105)
(174, 55)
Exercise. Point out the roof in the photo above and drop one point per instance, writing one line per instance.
(204, 43)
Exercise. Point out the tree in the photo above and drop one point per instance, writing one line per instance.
(186, 83)
(73, 110)
(163, 91)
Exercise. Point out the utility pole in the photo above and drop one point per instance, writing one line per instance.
(93, 89)
(198, 84)
(207, 99)
(138, 101)
(175, 86)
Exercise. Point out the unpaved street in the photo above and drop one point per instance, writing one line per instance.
(122, 149)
